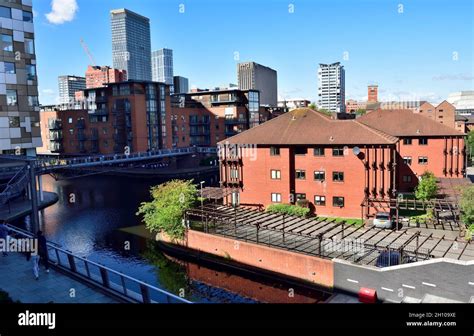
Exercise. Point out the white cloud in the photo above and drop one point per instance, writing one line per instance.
(62, 11)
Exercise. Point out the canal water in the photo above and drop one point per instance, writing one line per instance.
(87, 220)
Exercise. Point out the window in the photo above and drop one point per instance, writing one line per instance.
(11, 98)
(422, 141)
(338, 151)
(301, 150)
(406, 178)
(407, 160)
(33, 101)
(10, 68)
(338, 201)
(338, 176)
(319, 200)
(422, 160)
(300, 197)
(71, 131)
(275, 174)
(27, 16)
(5, 12)
(300, 174)
(14, 121)
(276, 198)
(69, 120)
(318, 151)
(234, 173)
(319, 175)
(274, 151)
(7, 42)
(407, 141)
(29, 46)
(30, 72)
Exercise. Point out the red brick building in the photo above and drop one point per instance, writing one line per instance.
(99, 76)
(372, 93)
(337, 165)
(142, 116)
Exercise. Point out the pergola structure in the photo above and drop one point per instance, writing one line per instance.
(327, 238)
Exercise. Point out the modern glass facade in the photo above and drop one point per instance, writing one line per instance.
(162, 66)
(19, 110)
(131, 44)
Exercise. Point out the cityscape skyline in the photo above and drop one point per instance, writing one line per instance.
(406, 63)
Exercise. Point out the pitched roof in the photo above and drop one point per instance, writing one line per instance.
(406, 123)
(305, 126)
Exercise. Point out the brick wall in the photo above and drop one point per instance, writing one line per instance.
(304, 267)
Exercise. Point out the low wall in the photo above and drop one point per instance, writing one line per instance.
(315, 270)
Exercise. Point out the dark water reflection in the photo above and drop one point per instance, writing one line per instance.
(87, 218)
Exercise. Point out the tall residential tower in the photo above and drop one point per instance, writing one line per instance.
(131, 44)
(162, 66)
(19, 108)
(68, 86)
(331, 90)
(254, 76)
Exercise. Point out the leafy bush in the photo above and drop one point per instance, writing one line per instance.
(169, 202)
(467, 207)
(288, 209)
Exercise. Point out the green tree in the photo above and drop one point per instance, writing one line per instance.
(467, 206)
(361, 111)
(312, 106)
(427, 187)
(470, 144)
(166, 209)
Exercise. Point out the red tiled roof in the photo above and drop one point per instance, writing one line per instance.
(406, 123)
(305, 126)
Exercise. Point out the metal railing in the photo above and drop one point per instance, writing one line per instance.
(15, 186)
(97, 160)
(105, 278)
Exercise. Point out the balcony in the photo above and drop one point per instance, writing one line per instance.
(230, 133)
(101, 99)
(55, 147)
(81, 137)
(56, 137)
(226, 101)
(235, 121)
(55, 124)
(81, 124)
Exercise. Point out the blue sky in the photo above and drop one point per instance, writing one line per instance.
(423, 50)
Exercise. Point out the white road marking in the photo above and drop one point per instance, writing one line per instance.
(387, 289)
(407, 286)
(428, 284)
(471, 283)
(354, 281)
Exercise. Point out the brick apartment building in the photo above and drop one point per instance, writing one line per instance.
(142, 116)
(99, 76)
(339, 166)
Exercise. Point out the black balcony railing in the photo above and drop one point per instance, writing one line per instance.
(81, 123)
(55, 124)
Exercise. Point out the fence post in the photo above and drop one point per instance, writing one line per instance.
(105, 277)
(72, 262)
(283, 228)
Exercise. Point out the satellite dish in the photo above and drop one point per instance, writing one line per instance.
(356, 150)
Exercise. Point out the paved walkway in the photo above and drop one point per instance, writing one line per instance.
(16, 278)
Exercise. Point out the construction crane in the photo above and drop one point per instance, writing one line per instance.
(86, 49)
